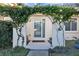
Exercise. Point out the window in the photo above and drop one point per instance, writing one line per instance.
(40, 28)
(71, 26)
(37, 26)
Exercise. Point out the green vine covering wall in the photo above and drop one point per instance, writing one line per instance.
(21, 14)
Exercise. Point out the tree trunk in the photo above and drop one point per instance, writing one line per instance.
(20, 35)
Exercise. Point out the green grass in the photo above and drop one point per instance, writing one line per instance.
(70, 43)
(18, 51)
(71, 51)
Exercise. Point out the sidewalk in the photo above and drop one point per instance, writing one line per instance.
(38, 53)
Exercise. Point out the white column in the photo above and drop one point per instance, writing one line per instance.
(54, 35)
(14, 38)
(24, 32)
(61, 36)
(60, 41)
(20, 40)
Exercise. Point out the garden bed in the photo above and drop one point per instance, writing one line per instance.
(69, 51)
(18, 51)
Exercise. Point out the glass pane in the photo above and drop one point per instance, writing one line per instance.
(37, 26)
(67, 26)
(43, 27)
(74, 26)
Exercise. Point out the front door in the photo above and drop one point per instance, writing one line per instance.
(39, 30)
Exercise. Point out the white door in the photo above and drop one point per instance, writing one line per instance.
(39, 30)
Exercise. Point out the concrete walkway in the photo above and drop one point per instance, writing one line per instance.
(38, 53)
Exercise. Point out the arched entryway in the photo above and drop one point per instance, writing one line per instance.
(39, 31)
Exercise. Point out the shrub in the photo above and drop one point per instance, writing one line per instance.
(17, 51)
(5, 34)
(60, 49)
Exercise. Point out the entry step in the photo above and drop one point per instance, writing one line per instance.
(38, 45)
(38, 41)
